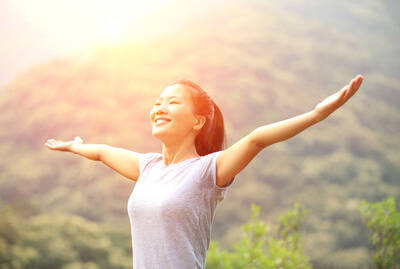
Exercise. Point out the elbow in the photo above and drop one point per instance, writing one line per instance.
(256, 142)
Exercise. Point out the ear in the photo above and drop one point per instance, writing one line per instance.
(200, 121)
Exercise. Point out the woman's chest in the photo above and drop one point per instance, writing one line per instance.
(172, 191)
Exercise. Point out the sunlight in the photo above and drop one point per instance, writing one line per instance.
(87, 23)
(114, 31)
(58, 28)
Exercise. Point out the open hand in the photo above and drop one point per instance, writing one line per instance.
(333, 102)
(62, 146)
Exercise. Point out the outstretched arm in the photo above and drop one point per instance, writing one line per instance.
(238, 156)
(122, 161)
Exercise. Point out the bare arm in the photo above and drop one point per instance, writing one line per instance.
(120, 160)
(238, 156)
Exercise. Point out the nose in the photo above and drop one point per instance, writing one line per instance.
(161, 110)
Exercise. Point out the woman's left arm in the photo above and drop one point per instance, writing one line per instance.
(238, 156)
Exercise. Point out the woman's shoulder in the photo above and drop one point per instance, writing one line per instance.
(149, 158)
(152, 155)
(211, 156)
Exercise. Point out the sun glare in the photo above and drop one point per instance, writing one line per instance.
(118, 21)
(58, 28)
(114, 31)
(89, 23)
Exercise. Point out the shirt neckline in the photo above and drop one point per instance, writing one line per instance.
(178, 163)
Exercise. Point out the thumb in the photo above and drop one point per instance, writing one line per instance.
(78, 140)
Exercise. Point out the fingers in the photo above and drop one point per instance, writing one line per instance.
(353, 86)
(51, 143)
(356, 82)
(359, 80)
(61, 145)
(54, 142)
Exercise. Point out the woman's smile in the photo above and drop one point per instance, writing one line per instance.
(173, 110)
(161, 121)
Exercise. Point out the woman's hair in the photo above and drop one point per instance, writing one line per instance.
(211, 137)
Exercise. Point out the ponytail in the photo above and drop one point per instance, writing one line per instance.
(211, 137)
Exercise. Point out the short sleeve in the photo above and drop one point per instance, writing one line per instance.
(210, 175)
(147, 160)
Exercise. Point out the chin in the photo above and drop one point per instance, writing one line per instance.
(157, 134)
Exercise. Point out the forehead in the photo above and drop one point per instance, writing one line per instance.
(177, 90)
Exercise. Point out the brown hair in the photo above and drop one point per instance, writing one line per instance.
(211, 137)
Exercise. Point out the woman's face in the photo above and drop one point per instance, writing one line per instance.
(172, 116)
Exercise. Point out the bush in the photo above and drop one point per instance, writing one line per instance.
(262, 247)
(383, 220)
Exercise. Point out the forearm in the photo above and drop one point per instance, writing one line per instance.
(90, 151)
(283, 130)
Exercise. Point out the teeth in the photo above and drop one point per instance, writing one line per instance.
(161, 121)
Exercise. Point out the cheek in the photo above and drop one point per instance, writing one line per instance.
(152, 114)
(188, 119)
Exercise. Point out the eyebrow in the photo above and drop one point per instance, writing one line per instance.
(168, 98)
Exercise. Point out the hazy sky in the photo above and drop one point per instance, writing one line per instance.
(36, 31)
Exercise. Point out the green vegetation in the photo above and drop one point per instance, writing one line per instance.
(383, 220)
(260, 247)
(60, 241)
(262, 62)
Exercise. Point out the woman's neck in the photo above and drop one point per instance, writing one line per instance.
(178, 153)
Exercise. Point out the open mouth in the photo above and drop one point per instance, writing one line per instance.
(161, 121)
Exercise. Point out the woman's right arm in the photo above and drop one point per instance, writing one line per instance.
(123, 161)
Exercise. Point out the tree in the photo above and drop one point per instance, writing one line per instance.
(60, 241)
(383, 220)
(283, 248)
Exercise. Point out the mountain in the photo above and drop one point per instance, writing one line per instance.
(262, 63)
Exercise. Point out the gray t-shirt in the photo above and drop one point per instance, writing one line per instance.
(171, 210)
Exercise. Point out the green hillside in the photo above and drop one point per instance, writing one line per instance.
(262, 63)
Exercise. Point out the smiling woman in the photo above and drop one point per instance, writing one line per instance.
(172, 205)
(183, 104)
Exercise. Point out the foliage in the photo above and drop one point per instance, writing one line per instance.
(260, 247)
(60, 241)
(383, 219)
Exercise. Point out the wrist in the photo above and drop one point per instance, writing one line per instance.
(74, 148)
(318, 116)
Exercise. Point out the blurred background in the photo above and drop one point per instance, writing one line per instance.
(94, 69)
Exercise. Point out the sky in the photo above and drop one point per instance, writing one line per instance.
(32, 32)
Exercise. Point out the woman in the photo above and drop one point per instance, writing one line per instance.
(172, 206)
